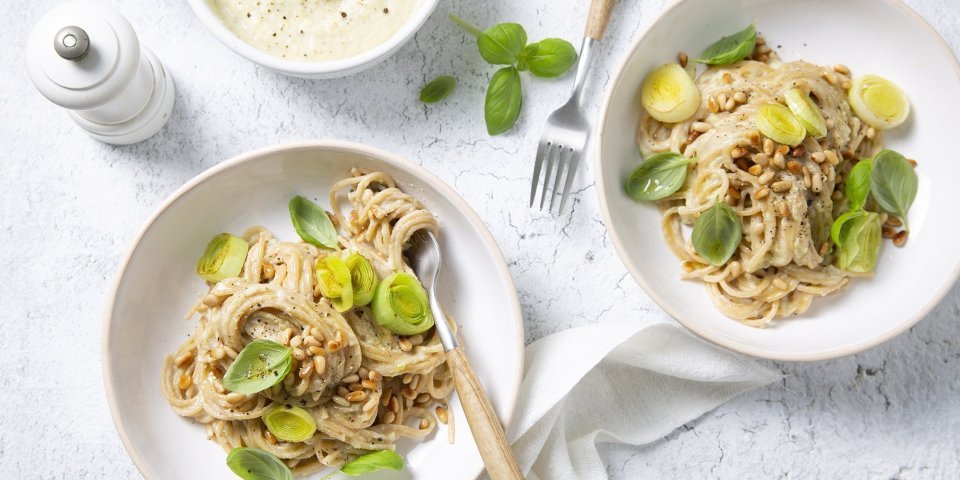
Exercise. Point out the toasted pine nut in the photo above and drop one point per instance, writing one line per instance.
(211, 300)
(781, 186)
(841, 68)
(405, 344)
(901, 239)
(768, 147)
(761, 159)
(319, 364)
(388, 417)
(818, 157)
(340, 401)
(734, 268)
(824, 248)
(766, 177)
(722, 99)
(316, 333)
(688, 266)
(370, 405)
(762, 192)
(424, 398)
(296, 341)
(702, 127)
(375, 376)
(740, 97)
(424, 424)
(270, 438)
(871, 132)
(184, 358)
(831, 157)
(218, 353)
(912, 162)
(357, 396)
(783, 149)
(755, 170)
(888, 232)
(369, 384)
(333, 346)
(185, 382)
(394, 405)
(299, 354)
(268, 271)
(733, 193)
(893, 221)
(235, 398)
(311, 341)
(794, 166)
(407, 378)
(682, 59)
(354, 378)
(408, 393)
(778, 160)
(712, 105)
(355, 386)
(315, 351)
(730, 105)
(441, 414)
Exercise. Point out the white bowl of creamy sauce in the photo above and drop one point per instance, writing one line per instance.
(314, 38)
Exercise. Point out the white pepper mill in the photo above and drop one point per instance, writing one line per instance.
(85, 57)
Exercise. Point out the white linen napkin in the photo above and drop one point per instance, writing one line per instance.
(621, 382)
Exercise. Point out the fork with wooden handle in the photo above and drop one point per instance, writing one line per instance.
(565, 132)
(424, 256)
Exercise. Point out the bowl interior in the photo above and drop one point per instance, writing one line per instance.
(320, 69)
(158, 285)
(883, 37)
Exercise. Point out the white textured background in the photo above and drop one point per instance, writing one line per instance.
(69, 207)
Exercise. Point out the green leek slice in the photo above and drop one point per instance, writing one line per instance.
(807, 112)
(289, 423)
(401, 306)
(223, 258)
(333, 278)
(878, 101)
(363, 278)
(669, 94)
(778, 123)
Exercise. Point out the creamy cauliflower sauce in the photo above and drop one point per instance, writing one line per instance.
(314, 30)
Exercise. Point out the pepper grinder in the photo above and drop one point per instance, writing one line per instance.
(85, 57)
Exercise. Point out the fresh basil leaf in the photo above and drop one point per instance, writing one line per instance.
(504, 99)
(730, 49)
(502, 43)
(893, 183)
(372, 462)
(658, 177)
(256, 464)
(260, 365)
(858, 184)
(438, 89)
(840, 230)
(312, 223)
(717, 233)
(548, 58)
(860, 237)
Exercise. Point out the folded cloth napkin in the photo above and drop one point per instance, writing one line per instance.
(620, 382)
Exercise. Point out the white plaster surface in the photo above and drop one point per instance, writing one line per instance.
(69, 208)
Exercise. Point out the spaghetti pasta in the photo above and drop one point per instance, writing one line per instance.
(364, 386)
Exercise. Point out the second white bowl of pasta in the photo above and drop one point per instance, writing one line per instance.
(754, 169)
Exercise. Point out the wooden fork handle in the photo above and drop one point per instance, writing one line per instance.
(599, 15)
(487, 430)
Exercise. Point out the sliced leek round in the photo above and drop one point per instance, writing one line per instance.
(363, 277)
(401, 305)
(878, 102)
(806, 111)
(223, 258)
(333, 278)
(779, 124)
(289, 423)
(669, 94)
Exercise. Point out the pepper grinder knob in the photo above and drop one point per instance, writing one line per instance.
(114, 88)
(71, 43)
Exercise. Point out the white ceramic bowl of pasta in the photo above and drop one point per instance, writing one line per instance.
(883, 37)
(317, 69)
(157, 284)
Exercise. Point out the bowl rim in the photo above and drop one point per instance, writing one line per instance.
(321, 69)
(421, 174)
(619, 244)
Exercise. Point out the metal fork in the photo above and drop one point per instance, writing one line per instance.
(566, 131)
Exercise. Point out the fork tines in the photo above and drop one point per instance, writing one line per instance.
(560, 159)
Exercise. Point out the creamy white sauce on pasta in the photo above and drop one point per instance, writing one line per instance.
(314, 30)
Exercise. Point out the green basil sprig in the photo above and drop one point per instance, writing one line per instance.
(504, 100)
(256, 464)
(372, 462)
(438, 89)
(502, 43)
(658, 177)
(312, 223)
(857, 234)
(730, 49)
(717, 233)
(548, 58)
(858, 184)
(893, 184)
(260, 365)
(506, 44)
